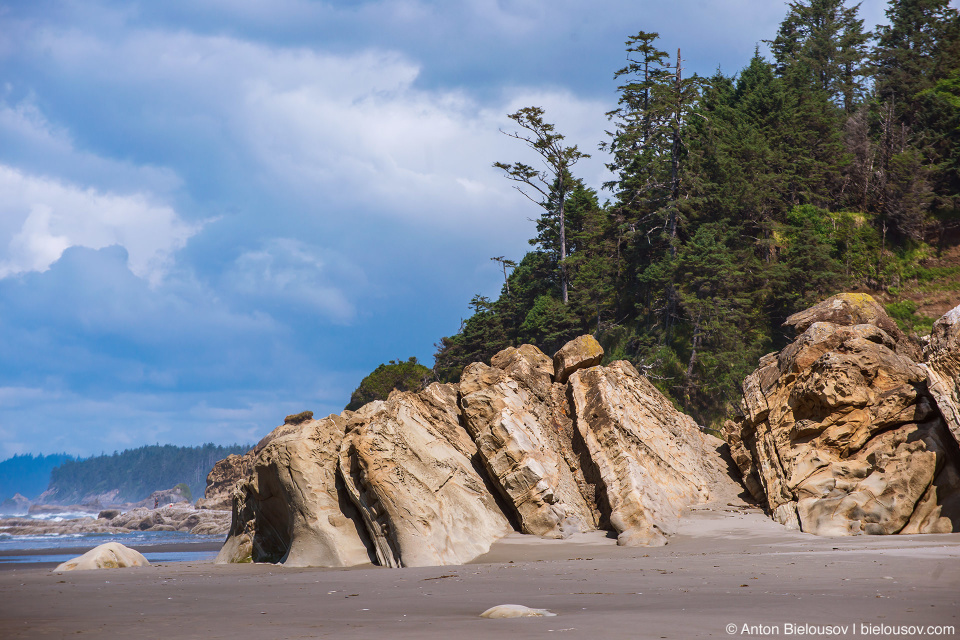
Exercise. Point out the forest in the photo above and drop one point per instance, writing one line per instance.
(28, 474)
(738, 200)
(138, 472)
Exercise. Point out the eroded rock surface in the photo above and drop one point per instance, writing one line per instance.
(228, 472)
(942, 361)
(518, 418)
(581, 353)
(840, 433)
(290, 509)
(407, 465)
(652, 459)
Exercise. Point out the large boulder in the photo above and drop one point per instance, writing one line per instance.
(111, 555)
(518, 419)
(845, 310)
(653, 460)
(290, 508)
(839, 433)
(580, 353)
(407, 465)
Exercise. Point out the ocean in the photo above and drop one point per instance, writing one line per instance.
(60, 547)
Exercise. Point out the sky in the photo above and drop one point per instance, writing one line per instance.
(215, 213)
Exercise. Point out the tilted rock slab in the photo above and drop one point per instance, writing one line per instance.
(111, 555)
(407, 465)
(290, 510)
(652, 458)
(840, 435)
(435, 477)
(942, 362)
(517, 417)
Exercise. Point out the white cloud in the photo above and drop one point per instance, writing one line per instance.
(41, 217)
(347, 132)
(297, 275)
(34, 144)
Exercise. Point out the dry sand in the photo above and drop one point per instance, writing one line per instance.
(727, 566)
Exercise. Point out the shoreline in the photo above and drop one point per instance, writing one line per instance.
(726, 565)
(163, 547)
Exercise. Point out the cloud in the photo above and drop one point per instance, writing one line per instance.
(42, 217)
(293, 276)
(312, 128)
(29, 141)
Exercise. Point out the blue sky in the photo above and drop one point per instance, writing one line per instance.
(214, 213)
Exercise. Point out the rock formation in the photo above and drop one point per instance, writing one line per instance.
(228, 472)
(518, 418)
(551, 446)
(290, 508)
(174, 517)
(407, 465)
(652, 459)
(842, 432)
(111, 555)
(942, 362)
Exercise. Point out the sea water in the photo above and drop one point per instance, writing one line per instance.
(50, 547)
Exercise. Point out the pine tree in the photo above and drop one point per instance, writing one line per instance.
(918, 48)
(648, 149)
(827, 40)
(547, 188)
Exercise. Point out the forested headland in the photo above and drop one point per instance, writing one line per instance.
(138, 472)
(738, 200)
(28, 474)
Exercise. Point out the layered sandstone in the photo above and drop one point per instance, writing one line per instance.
(551, 446)
(407, 465)
(518, 418)
(840, 433)
(942, 363)
(653, 460)
(290, 509)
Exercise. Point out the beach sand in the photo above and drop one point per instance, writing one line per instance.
(728, 565)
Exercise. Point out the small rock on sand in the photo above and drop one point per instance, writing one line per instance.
(111, 555)
(515, 611)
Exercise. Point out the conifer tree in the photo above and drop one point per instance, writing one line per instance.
(827, 40)
(549, 187)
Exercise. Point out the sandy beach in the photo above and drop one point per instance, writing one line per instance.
(727, 566)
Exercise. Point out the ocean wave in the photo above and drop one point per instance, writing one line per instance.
(134, 538)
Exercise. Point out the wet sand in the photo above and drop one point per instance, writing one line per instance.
(727, 566)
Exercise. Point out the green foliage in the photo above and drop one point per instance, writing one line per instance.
(27, 474)
(139, 472)
(185, 491)
(737, 201)
(905, 314)
(408, 375)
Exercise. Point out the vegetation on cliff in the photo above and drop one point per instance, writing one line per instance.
(739, 200)
(401, 375)
(138, 472)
